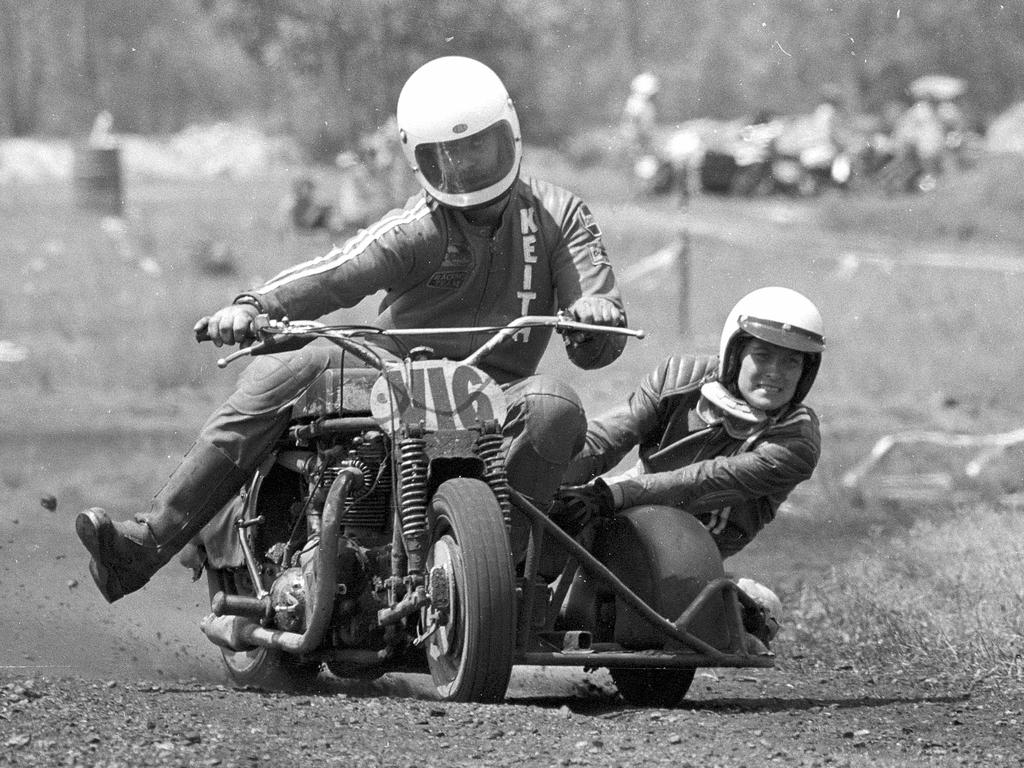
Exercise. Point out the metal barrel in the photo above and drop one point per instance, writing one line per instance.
(97, 179)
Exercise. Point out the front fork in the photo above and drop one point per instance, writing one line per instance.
(410, 589)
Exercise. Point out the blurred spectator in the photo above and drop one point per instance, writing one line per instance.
(932, 129)
(956, 132)
(640, 114)
(359, 199)
(821, 138)
(381, 152)
(919, 135)
(306, 212)
(102, 134)
(834, 120)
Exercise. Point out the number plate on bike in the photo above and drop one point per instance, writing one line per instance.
(439, 394)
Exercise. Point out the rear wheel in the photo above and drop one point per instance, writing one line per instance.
(470, 652)
(653, 687)
(265, 668)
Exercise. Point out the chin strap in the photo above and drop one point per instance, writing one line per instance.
(718, 406)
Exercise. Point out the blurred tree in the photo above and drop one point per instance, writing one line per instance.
(153, 64)
(329, 70)
(355, 54)
(22, 67)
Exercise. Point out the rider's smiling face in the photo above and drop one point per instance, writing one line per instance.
(768, 374)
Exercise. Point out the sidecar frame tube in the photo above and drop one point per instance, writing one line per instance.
(642, 659)
(613, 655)
(599, 570)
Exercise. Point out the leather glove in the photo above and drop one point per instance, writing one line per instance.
(574, 506)
(595, 310)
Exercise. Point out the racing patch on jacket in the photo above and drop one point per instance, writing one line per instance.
(598, 255)
(595, 248)
(455, 268)
(587, 221)
(448, 279)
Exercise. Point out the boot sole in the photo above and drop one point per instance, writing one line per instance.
(87, 526)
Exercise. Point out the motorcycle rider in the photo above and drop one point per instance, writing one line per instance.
(724, 438)
(481, 244)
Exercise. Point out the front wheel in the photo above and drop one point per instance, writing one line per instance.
(471, 649)
(653, 687)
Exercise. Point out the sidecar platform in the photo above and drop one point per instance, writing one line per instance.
(682, 648)
(611, 610)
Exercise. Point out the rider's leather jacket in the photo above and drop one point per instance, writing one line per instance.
(733, 483)
(439, 270)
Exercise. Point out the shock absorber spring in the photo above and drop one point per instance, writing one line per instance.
(490, 448)
(413, 478)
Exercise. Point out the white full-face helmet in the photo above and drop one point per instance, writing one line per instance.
(447, 109)
(780, 316)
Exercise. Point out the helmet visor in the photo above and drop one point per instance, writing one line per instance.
(782, 334)
(469, 164)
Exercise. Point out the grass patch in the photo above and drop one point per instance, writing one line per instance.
(980, 204)
(947, 592)
(105, 306)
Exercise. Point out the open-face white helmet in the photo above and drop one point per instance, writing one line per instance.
(780, 316)
(459, 131)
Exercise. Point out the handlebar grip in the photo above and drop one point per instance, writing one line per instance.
(255, 326)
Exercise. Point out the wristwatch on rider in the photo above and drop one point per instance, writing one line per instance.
(248, 298)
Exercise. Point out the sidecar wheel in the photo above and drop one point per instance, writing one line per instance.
(653, 687)
(267, 669)
(470, 657)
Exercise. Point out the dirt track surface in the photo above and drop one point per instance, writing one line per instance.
(824, 718)
(135, 683)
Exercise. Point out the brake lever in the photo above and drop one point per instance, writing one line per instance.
(252, 349)
(268, 343)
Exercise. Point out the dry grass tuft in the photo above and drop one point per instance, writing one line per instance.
(948, 591)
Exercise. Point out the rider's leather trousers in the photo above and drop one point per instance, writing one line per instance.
(544, 427)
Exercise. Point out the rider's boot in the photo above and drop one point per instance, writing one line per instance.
(760, 620)
(126, 554)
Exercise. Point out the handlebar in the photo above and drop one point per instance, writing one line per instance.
(270, 336)
(561, 323)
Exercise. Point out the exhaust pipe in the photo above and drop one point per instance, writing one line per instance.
(240, 633)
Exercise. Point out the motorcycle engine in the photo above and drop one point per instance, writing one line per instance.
(367, 513)
(288, 598)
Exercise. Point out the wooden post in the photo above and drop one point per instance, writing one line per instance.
(683, 283)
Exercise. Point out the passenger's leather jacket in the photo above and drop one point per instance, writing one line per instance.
(733, 484)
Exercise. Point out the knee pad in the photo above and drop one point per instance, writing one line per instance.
(271, 381)
(555, 423)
